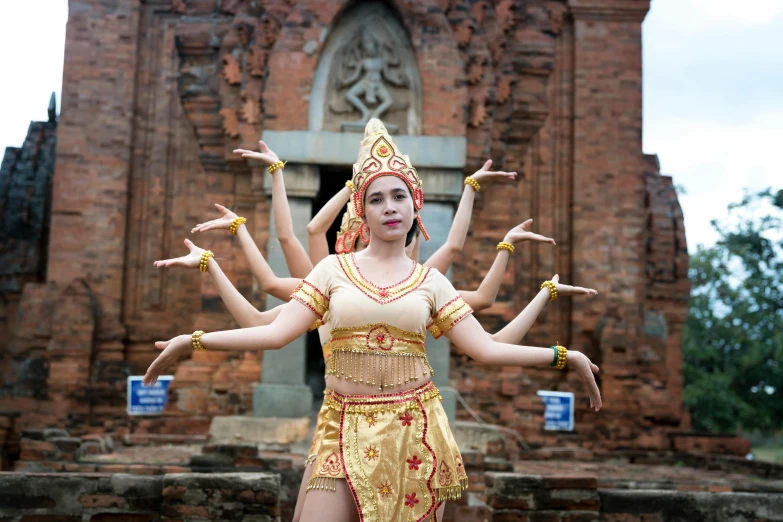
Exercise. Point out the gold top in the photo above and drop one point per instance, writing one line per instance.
(377, 354)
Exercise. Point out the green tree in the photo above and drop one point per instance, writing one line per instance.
(733, 339)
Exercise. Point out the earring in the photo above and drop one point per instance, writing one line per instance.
(364, 233)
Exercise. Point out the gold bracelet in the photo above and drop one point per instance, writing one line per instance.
(473, 183)
(234, 226)
(505, 245)
(349, 184)
(195, 341)
(552, 289)
(277, 165)
(561, 359)
(203, 263)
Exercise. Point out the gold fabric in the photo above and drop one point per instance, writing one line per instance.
(378, 354)
(448, 315)
(310, 296)
(395, 451)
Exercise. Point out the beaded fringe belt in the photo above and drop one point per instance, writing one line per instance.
(395, 451)
(378, 354)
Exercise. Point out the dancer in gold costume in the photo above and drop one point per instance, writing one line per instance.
(387, 444)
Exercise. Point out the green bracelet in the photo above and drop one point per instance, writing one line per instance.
(554, 362)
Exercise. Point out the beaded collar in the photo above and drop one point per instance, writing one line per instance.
(385, 294)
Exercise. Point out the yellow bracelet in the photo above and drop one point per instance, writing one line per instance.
(234, 226)
(195, 341)
(473, 183)
(505, 245)
(203, 263)
(552, 289)
(277, 165)
(562, 357)
(349, 184)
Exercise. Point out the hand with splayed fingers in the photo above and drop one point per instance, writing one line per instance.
(266, 156)
(173, 350)
(585, 369)
(521, 233)
(484, 175)
(223, 222)
(189, 261)
(564, 290)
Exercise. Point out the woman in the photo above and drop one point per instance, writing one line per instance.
(381, 304)
(350, 238)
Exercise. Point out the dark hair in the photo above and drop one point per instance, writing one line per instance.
(411, 232)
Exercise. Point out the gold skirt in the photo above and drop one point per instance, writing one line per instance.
(396, 452)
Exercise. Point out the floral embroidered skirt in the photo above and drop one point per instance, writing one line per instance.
(396, 452)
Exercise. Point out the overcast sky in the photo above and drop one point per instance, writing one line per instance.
(713, 92)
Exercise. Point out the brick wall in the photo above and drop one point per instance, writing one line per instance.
(128, 498)
(156, 94)
(575, 498)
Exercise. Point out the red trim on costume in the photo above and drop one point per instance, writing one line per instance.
(380, 298)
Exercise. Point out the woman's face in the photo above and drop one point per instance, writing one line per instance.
(388, 209)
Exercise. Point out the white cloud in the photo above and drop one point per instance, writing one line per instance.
(32, 39)
(715, 162)
(713, 101)
(694, 16)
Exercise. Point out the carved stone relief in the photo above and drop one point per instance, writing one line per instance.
(367, 70)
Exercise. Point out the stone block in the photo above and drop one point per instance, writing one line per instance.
(282, 401)
(233, 430)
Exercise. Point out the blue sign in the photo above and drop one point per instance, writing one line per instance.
(558, 410)
(147, 400)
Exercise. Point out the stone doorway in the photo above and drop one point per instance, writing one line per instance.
(332, 180)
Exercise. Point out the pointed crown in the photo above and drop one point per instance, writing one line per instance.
(350, 230)
(379, 156)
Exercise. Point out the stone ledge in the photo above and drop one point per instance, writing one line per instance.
(338, 148)
(258, 430)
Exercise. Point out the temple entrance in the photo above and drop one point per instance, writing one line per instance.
(333, 179)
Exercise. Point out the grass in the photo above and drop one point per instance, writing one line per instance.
(769, 454)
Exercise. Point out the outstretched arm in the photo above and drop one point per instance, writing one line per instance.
(514, 331)
(319, 225)
(488, 290)
(295, 256)
(293, 321)
(484, 297)
(243, 312)
(280, 287)
(444, 256)
(472, 340)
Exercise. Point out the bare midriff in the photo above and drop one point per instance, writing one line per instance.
(375, 358)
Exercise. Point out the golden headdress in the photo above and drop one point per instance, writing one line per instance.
(350, 230)
(379, 156)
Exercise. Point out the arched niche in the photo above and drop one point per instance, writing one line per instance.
(367, 69)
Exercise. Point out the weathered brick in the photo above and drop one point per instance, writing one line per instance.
(537, 86)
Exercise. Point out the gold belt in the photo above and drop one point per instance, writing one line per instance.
(391, 403)
(378, 354)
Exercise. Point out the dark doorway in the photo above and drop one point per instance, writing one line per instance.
(332, 181)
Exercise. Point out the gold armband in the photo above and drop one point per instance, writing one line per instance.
(275, 166)
(195, 340)
(203, 263)
(235, 225)
(473, 183)
(505, 245)
(561, 357)
(552, 289)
